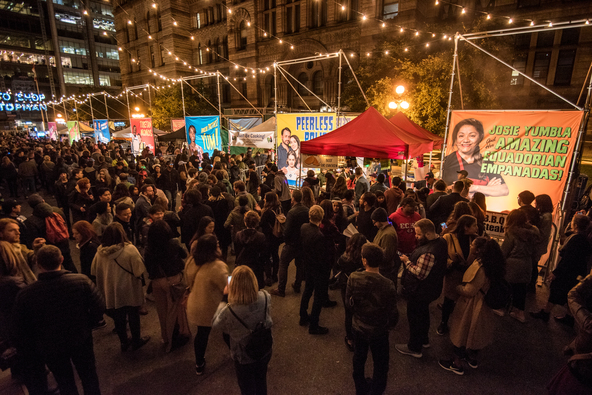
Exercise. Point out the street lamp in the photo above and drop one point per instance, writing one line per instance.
(137, 108)
(397, 103)
(400, 89)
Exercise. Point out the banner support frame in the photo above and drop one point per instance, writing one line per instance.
(449, 109)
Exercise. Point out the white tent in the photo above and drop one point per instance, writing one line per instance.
(126, 134)
(260, 136)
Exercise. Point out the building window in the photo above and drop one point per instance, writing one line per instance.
(242, 35)
(317, 83)
(390, 9)
(541, 66)
(516, 78)
(198, 20)
(152, 56)
(522, 41)
(318, 13)
(209, 52)
(159, 20)
(211, 19)
(346, 10)
(200, 54)
(528, 3)
(565, 65)
(303, 79)
(269, 17)
(292, 16)
(225, 47)
(545, 39)
(135, 30)
(148, 22)
(570, 36)
(162, 56)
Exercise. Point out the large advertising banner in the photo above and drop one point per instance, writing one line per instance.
(203, 134)
(294, 128)
(177, 124)
(505, 153)
(101, 127)
(241, 137)
(142, 135)
(52, 130)
(73, 131)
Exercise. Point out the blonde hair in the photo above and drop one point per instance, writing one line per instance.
(316, 213)
(243, 287)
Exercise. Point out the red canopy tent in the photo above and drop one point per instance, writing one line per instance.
(400, 120)
(369, 135)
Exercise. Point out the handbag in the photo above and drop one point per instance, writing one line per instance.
(179, 289)
(260, 340)
(279, 225)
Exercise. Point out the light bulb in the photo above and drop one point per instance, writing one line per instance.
(383, 24)
(463, 11)
(550, 24)
(392, 105)
(363, 17)
(249, 24)
(511, 20)
(291, 47)
(153, 5)
(401, 30)
(404, 105)
(400, 89)
(386, 52)
(342, 8)
(129, 22)
(488, 16)
(531, 23)
(417, 33)
(367, 53)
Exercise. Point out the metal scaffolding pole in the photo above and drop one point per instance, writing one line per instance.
(106, 107)
(449, 109)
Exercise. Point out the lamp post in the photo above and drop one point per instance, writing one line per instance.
(393, 105)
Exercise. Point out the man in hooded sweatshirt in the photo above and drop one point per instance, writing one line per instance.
(393, 196)
(404, 220)
(36, 228)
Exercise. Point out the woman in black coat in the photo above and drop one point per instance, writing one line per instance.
(221, 208)
(250, 247)
(271, 208)
(88, 243)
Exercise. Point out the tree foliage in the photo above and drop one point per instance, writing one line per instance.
(168, 104)
(425, 73)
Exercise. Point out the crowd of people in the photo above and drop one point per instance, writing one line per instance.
(164, 227)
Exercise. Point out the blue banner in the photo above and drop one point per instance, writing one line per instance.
(101, 127)
(203, 134)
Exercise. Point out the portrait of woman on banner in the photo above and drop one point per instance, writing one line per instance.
(466, 137)
(136, 141)
(194, 148)
(292, 169)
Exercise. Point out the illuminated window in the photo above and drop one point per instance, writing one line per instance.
(390, 9)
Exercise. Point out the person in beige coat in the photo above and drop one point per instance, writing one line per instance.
(119, 270)
(207, 277)
(472, 322)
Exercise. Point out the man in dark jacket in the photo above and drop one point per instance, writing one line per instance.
(373, 301)
(442, 208)
(53, 321)
(193, 211)
(123, 215)
(363, 218)
(422, 284)
(297, 216)
(439, 190)
(525, 199)
(316, 258)
(36, 228)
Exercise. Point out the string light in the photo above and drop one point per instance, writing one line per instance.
(153, 5)
(383, 24)
(463, 11)
(511, 20)
(342, 8)
(550, 24)
(531, 23)
(488, 16)
(363, 17)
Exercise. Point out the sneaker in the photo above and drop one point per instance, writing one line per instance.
(318, 330)
(199, 369)
(565, 320)
(448, 364)
(442, 329)
(277, 292)
(140, 343)
(473, 363)
(349, 344)
(426, 345)
(404, 349)
(517, 316)
(500, 312)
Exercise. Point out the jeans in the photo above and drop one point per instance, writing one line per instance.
(252, 377)
(447, 309)
(288, 254)
(519, 295)
(83, 358)
(121, 317)
(201, 343)
(418, 315)
(379, 346)
(28, 184)
(316, 282)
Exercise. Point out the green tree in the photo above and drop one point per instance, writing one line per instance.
(168, 104)
(425, 73)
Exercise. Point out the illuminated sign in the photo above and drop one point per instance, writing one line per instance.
(22, 102)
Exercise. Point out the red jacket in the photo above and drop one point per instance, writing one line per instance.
(405, 229)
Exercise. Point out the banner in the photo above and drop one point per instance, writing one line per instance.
(241, 137)
(506, 153)
(294, 128)
(142, 135)
(177, 124)
(52, 130)
(327, 162)
(203, 134)
(73, 131)
(101, 127)
(494, 223)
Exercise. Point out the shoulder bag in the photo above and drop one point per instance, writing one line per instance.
(260, 340)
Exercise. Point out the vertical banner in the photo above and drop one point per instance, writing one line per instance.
(73, 131)
(101, 127)
(142, 135)
(177, 124)
(506, 153)
(294, 128)
(52, 130)
(203, 134)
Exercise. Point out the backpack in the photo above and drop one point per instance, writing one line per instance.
(260, 340)
(55, 229)
(279, 225)
(499, 295)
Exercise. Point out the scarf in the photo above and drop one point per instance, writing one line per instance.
(12, 252)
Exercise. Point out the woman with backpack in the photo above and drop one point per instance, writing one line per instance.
(472, 323)
(270, 210)
(247, 321)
